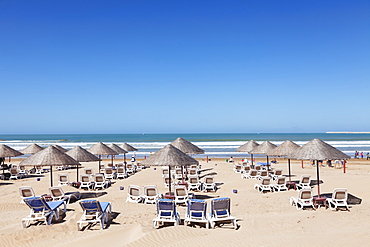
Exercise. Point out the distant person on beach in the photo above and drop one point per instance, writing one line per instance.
(231, 159)
(356, 155)
(367, 156)
(362, 155)
(133, 159)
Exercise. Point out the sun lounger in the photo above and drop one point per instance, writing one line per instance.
(86, 181)
(39, 170)
(262, 174)
(304, 199)
(130, 168)
(151, 194)
(14, 173)
(220, 212)
(194, 183)
(121, 172)
(100, 182)
(58, 194)
(280, 184)
(265, 185)
(304, 182)
(277, 173)
(23, 172)
(108, 173)
(94, 212)
(196, 212)
(42, 210)
(252, 174)
(63, 179)
(193, 172)
(209, 183)
(88, 171)
(134, 194)
(181, 195)
(338, 200)
(237, 168)
(166, 212)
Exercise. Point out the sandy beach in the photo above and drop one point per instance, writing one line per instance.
(264, 219)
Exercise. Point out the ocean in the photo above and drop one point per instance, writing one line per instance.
(214, 144)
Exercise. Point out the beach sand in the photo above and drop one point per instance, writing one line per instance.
(263, 219)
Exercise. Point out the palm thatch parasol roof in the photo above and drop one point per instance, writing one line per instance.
(186, 146)
(263, 148)
(247, 146)
(81, 155)
(117, 148)
(49, 156)
(32, 149)
(284, 149)
(60, 148)
(6, 151)
(169, 156)
(101, 149)
(128, 147)
(317, 149)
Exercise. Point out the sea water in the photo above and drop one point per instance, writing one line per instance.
(214, 144)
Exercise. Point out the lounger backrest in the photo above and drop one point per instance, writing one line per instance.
(340, 194)
(85, 178)
(90, 206)
(22, 167)
(278, 172)
(257, 168)
(129, 166)
(193, 180)
(265, 181)
(56, 191)
(99, 178)
(247, 168)
(37, 204)
(178, 171)
(63, 177)
(88, 171)
(166, 207)
(13, 171)
(181, 191)
(120, 170)
(253, 172)
(305, 194)
(305, 179)
(26, 192)
(264, 173)
(221, 207)
(197, 208)
(134, 191)
(150, 191)
(194, 167)
(281, 180)
(193, 172)
(108, 170)
(209, 180)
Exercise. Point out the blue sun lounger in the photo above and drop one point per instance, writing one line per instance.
(220, 211)
(196, 212)
(42, 210)
(166, 212)
(94, 212)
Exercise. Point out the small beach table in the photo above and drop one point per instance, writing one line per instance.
(320, 201)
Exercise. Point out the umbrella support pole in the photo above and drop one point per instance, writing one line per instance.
(318, 178)
(77, 173)
(99, 162)
(289, 170)
(170, 177)
(51, 176)
(252, 159)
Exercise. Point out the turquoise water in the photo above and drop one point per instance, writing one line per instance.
(215, 144)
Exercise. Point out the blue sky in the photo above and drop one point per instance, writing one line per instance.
(184, 66)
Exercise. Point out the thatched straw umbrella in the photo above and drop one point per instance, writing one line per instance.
(247, 147)
(284, 149)
(81, 155)
(317, 149)
(101, 149)
(169, 156)
(60, 148)
(186, 147)
(7, 152)
(128, 148)
(263, 148)
(32, 149)
(118, 149)
(49, 156)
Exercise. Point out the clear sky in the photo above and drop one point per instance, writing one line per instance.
(76, 66)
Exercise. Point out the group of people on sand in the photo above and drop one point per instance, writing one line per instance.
(360, 155)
